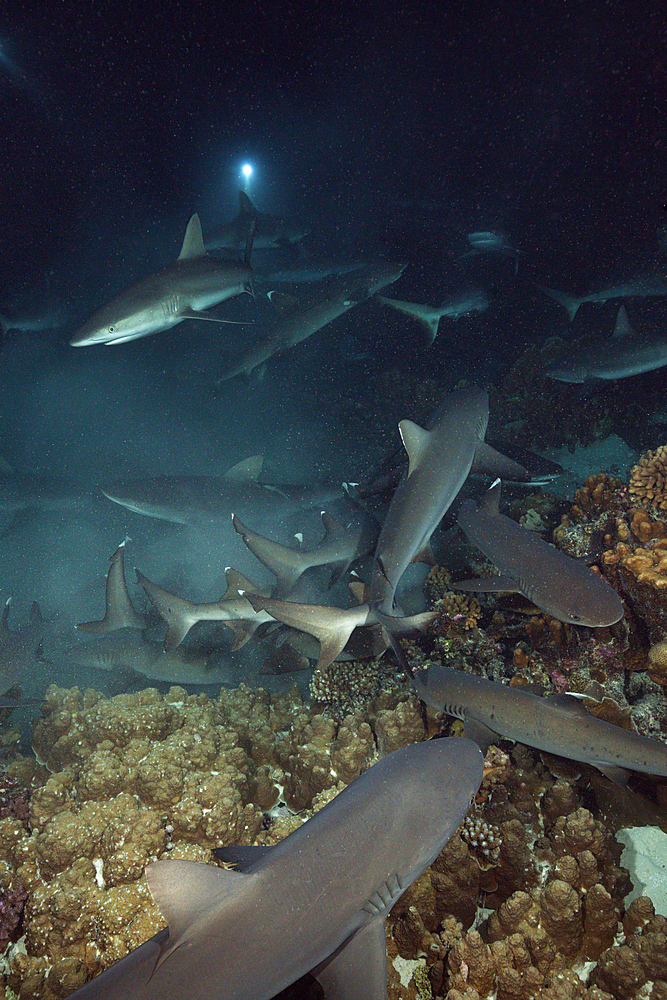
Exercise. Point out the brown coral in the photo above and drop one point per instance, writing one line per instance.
(648, 478)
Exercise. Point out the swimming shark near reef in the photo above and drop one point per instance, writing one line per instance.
(182, 290)
(301, 318)
(622, 356)
(563, 587)
(472, 300)
(232, 609)
(127, 651)
(441, 456)
(558, 724)
(316, 902)
(644, 286)
(270, 230)
(198, 500)
(339, 548)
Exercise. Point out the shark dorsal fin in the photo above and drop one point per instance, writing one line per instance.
(333, 529)
(5, 468)
(622, 328)
(246, 471)
(246, 207)
(4, 621)
(36, 617)
(415, 440)
(490, 502)
(185, 892)
(193, 241)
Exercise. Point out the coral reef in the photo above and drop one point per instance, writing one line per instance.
(648, 479)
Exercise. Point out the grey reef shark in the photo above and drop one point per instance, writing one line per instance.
(183, 290)
(201, 500)
(625, 354)
(300, 318)
(563, 587)
(466, 302)
(644, 286)
(316, 902)
(269, 230)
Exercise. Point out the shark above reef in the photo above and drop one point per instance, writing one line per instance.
(621, 356)
(558, 724)
(563, 587)
(316, 902)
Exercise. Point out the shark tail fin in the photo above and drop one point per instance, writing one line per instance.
(332, 626)
(569, 302)
(287, 565)
(119, 611)
(179, 614)
(427, 317)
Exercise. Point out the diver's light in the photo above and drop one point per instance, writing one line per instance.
(246, 170)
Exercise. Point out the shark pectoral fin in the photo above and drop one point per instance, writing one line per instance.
(243, 632)
(242, 858)
(358, 968)
(332, 626)
(488, 585)
(479, 733)
(415, 440)
(489, 462)
(618, 775)
(424, 555)
(185, 892)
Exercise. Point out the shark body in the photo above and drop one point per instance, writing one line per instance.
(565, 588)
(270, 230)
(317, 902)
(182, 290)
(622, 356)
(198, 500)
(300, 319)
(558, 724)
(471, 300)
(644, 286)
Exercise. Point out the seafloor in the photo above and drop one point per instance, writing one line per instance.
(528, 900)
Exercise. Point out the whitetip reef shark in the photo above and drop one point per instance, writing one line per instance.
(316, 902)
(563, 587)
(182, 290)
(558, 724)
(270, 230)
(625, 354)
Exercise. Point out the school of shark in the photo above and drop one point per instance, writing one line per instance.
(333, 576)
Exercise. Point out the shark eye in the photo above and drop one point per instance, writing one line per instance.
(112, 329)
(575, 618)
